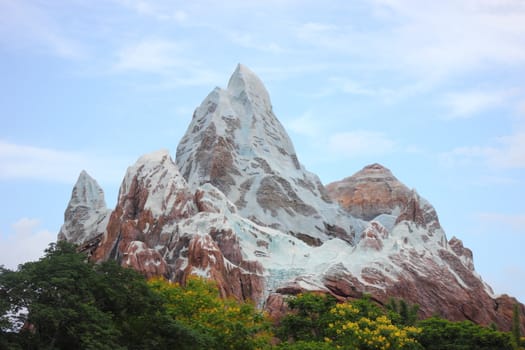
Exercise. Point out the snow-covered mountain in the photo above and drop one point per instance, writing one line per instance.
(238, 207)
(236, 143)
(86, 215)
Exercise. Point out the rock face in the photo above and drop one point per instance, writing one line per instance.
(86, 215)
(159, 227)
(370, 192)
(238, 207)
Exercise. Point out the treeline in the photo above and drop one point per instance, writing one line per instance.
(64, 302)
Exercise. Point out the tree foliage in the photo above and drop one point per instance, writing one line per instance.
(309, 317)
(516, 330)
(64, 302)
(439, 334)
(401, 313)
(361, 324)
(224, 323)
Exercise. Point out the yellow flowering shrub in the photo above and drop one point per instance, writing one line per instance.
(227, 323)
(350, 330)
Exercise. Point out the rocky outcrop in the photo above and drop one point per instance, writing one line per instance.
(370, 192)
(160, 228)
(238, 207)
(152, 197)
(86, 215)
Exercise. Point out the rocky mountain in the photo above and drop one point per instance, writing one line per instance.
(238, 207)
(86, 215)
(236, 143)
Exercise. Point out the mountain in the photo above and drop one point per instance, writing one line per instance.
(238, 207)
(236, 143)
(86, 215)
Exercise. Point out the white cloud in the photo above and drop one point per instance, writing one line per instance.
(165, 58)
(158, 10)
(424, 42)
(150, 55)
(360, 143)
(248, 41)
(26, 25)
(508, 152)
(450, 36)
(305, 125)
(469, 103)
(47, 164)
(26, 242)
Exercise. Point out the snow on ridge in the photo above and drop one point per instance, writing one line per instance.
(87, 192)
(86, 215)
(160, 176)
(244, 81)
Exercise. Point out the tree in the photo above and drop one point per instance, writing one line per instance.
(308, 319)
(438, 334)
(52, 298)
(359, 324)
(220, 323)
(66, 302)
(356, 328)
(401, 313)
(516, 324)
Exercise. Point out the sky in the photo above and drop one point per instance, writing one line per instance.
(433, 90)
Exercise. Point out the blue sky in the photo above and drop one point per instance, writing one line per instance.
(431, 89)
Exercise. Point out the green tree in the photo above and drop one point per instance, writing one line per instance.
(308, 319)
(66, 302)
(401, 313)
(52, 297)
(221, 323)
(306, 345)
(516, 326)
(439, 334)
(359, 324)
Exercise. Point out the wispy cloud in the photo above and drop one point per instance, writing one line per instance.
(305, 125)
(28, 26)
(166, 58)
(428, 43)
(470, 103)
(450, 36)
(47, 164)
(360, 143)
(249, 41)
(506, 152)
(158, 10)
(26, 242)
(150, 55)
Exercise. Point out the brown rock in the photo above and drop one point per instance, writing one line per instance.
(370, 192)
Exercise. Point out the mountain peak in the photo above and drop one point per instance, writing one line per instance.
(237, 144)
(87, 192)
(86, 215)
(374, 171)
(243, 80)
